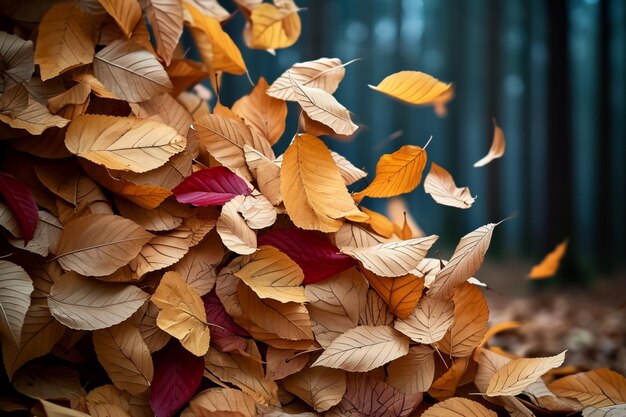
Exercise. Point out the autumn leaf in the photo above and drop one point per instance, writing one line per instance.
(457, 406)
(320, 388)
(550, 264)
(212, 186)
(273, 26)
(17, 57)
(414, 372)
(22, 203)
(182, 313)
(497, 147)
(400, 293)
(323, 73)
(35, 118)
(428, 322)
(15, 290)
(223, 400)
(598, 387)
(235, 233)
(166, 18)
(414, 87)
(440, 185)
(125, 13)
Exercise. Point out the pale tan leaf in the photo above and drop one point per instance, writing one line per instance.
(517, 374)
(550, 264)
(266, 172)
(14, 100)
(322, 107)
(65, 40)
(163, 250)
(9, 221)
(608, 411)
(106, 410)
(392, 259)
(15, 290)
(55, 410)
(349, 172)
(414, 372)
(97, 245)
(465, 262)
(313, 191)
(376, 311)
(280, 363)
(46, 237)
(458, 407)
(169, 215)
(198, 266)
(272, 274)
(17, 58)
(125, 12)
(146, 321)
(598, 387)
(440, 185)
(35, 118)
(129, 71)
(320, 388)
(414, 87)
(429, 322)
(210, 8)
(258, 211)
(165, 109)
(235, 233)
(323, 73)
(497, 147)
(364, 348)
(87, 304)
(125, 357)
(223, 401)
(123, 143)
(335, 304)
(76, 94)
(353, 235)
(166, 19)
(182, 313)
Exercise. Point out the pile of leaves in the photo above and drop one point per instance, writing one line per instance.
(159, 258)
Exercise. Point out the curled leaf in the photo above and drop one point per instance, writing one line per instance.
(497, 147)
(440, 185)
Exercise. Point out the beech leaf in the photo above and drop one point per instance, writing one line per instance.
(210, 187)
(440, 185)
(166, 19)
(15, 290)
(17, 57)
(414, 372)
(235, 233)
(273, 27)
(225, 401)
(320, 388)
(323, 73)
(22, 204)
(457, 406)
(126, 13)
(598, 387)
(428, 322)
(35, 118)
(497, 147)
(401, 293)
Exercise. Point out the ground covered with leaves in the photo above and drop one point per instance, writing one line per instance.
(160, 259)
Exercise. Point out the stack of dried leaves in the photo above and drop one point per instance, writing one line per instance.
(152, 268)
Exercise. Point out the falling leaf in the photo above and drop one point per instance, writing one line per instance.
(323, 73)
(87, 304)
(166, 18)
(517, 374)
(598, 387)
(235, 233)
(312, 188)
(364, 348)
(17, 57)
(323, 107)
(457, 406)
(177, 375)
(429, 321)
(397, 173)
(440, 185)
(182, 313)
(497, 328)
(129, 71)
(320, 388)
(273, 26)
(379, 223)
(124, 355)
(414, 372)
(414, 87)
(64, 41)
(225, 401)
(22, 203)
(401, 293)
(272, 274)
(497, 147)
(212, 186)
(97, 245)
(15, 290)
(550, 264)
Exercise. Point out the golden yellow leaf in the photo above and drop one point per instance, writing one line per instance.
(15, 290)
(364, 348)
(598, 387)
(182, 313)
(429, 321)
(550, 264)
(379, 223)
(497, 147)
(35, 118)
(97, 245)
(320, 388)
(185, 73)
(166, 19)
(440, 185)
(131, 72)
(226, 401)
(401, 293)
(65, 40)
(397, 173)
(210, 8)
(123, 143)
(312, 188)
(323, 73)
(323, 107)
(272, 274)
(413, 372)
(273, 27)
(414, 87)
(125, 12)
(262, 112)
(235, 233)
(517, 374)
(226, 55)
(86, 304)
(456, 407)
(125, 356)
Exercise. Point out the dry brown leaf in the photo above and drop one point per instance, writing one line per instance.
(223, 401)
(17, 57)
(513, 377)
(124, 355)
(392, 259)
(166, 216)
(14, 100)
(456, 407)
(65, 40)
(446, 385)
(312, 188)
(96, 86)
(185, 74)
(414, 372)
(429, 321)
(272, 274)
(440, 185)
(15, 290)
(376, 311)
(35, 118)
(165, 109)
(182, 313)
(396, 173)
(364, 348)
(401, 294)
(78, 95)
(131, 72)
(280, 363)
(125, 12)
(46, 237)
(198, 266)
(598, 387)
(235, 233)
(414, 87)
(470, 321)
(320, 388)
(497, 147)
(550, 264)
(166, 20)
(97, 245)
(323, 73)
(163, 250)
(123, 143)
(146, 321)
(86, 304)
(353, 235)
(467, 258)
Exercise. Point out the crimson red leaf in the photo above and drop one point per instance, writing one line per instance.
(210, 187)
(177, 375)
(228, 336)
(317, 257)
(22, 203)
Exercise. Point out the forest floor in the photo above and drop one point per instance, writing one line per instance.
(590, 322)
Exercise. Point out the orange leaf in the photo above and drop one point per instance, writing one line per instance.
(401, 294)
(550, 264)
(125, 12)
